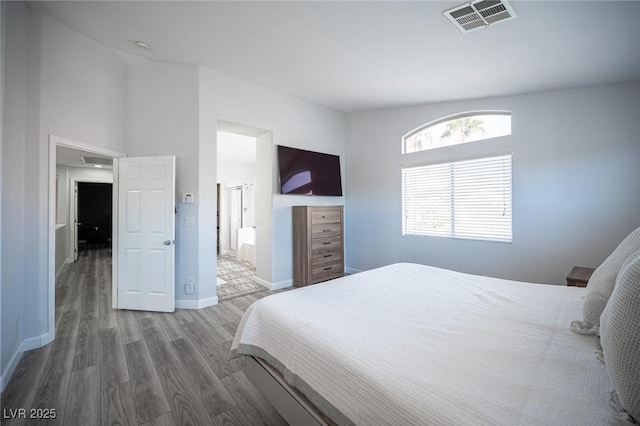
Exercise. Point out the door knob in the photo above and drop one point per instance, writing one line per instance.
(167, 243)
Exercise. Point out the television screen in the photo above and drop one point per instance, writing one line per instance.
(308, 172)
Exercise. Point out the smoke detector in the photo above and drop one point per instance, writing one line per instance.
(480, 14)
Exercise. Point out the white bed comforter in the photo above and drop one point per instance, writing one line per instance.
(411, 344)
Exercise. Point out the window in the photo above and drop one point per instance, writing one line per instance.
(462, 191)
(464, 199)
(458, 130)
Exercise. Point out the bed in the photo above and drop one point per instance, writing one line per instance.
(413, 344)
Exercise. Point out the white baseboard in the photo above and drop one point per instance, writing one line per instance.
(26, 345)
(196, 304)
(63, 266)
(274, 286)
(38, 342)
(10, 368)
(288, 283)
(281, 284)
(263, 283)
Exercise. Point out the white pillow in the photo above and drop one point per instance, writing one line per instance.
(601, 285)
(620, 336)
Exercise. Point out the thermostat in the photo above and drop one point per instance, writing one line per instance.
(187, 197)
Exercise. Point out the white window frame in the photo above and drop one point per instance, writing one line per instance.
(484, 148)
(453, 118)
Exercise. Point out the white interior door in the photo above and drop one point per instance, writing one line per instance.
(146, 233)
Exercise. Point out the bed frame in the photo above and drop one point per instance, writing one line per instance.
(290, 403)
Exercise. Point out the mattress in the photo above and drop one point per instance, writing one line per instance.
(413, 344)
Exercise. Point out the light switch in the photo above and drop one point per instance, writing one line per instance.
(188, 198)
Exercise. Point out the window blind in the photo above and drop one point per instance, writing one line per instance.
(463, 199)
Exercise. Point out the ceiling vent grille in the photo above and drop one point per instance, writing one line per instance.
(97, 160)
(480, 14)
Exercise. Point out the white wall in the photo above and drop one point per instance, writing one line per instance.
(264, 191)
(61, 247)
(83, 88)
(234, 173)
(66, 84)
(89, 174)
(163, 119)
(206, 204)
(62, 218)
(80, 97)
(62, 203)
(576, 184)
(173, 109)
(292, 122)
(15, 21)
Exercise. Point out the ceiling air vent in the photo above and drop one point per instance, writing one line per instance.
(97, 160)
(480, 14)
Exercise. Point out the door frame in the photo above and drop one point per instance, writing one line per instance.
(73, 231)
(264, 187)
(55, 141)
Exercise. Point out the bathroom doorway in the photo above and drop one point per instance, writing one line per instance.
(236, 179)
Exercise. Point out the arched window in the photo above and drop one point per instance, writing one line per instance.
(461, 128)
(465, 196)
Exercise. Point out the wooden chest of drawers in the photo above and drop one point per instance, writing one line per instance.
(318, 244)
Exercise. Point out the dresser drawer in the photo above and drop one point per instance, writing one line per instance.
(330, 243)
(319, 217)
(326, 230)
(326, 271)
(321, 256)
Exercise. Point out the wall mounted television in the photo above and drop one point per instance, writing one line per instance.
(308, 172)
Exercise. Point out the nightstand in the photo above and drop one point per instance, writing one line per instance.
(579, 276)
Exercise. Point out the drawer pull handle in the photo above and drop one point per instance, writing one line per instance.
(327, 243)
(327, 268)
(327, 255)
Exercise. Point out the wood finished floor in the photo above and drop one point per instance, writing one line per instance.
(112, 367)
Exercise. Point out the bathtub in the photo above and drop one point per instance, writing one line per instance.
(247, 244)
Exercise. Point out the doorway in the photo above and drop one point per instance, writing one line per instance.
(236, 180)
(65, 162)
(94, 206)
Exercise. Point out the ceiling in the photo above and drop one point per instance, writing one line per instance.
(236, 148)
(359, 55)
(73, 157)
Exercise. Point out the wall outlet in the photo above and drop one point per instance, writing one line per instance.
(189, 286)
